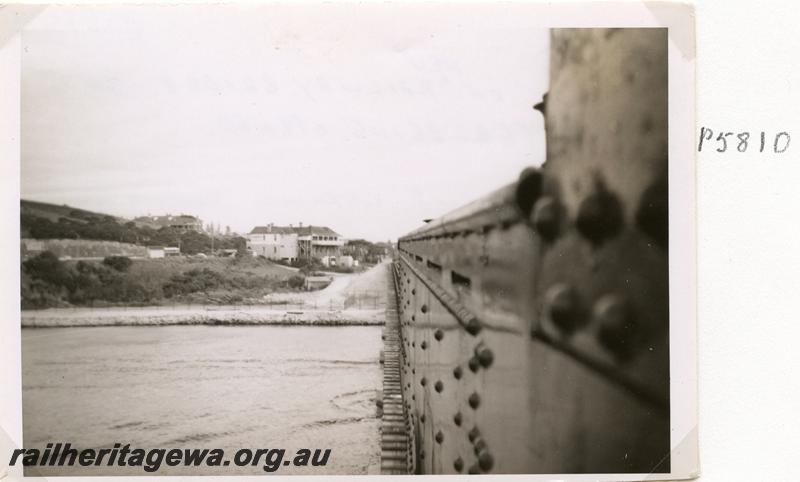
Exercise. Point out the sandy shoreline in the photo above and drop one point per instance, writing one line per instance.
(240, 315)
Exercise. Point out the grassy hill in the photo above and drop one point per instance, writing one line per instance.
(54, 212)
(40, 220)
(60, 231)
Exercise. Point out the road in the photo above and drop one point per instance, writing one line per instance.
(346, 290)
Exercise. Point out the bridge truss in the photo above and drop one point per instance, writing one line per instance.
(529, 330)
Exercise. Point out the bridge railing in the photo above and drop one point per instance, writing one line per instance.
(535, 321)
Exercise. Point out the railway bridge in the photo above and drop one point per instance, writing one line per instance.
(528, 331)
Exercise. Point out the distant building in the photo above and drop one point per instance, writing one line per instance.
(184, 222)
(318, 242)
(289, 243)
(163, 251)
(273, 242)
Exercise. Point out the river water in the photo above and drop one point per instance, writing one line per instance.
(226, 387)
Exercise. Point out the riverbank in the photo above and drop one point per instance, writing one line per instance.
(187, 315)
(351, 299)
(48, 282)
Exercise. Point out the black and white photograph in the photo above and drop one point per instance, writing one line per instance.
(355, 239)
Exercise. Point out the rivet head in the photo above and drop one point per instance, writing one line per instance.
(474, 469)
(413, 317)
(439, 386)
(479, 445)
(485, 461)
(439, 437)
(424, 308)
(544, 218)
(474, 364)
(457, 419)
(617, 328)
(485, 355)
(438, 334)
(528, 189)
(473, 434)
(424, 381)
(414, 291)
(423, 345)
(473, 326)
(474, 400)
(422, 418)
(458, 464)
(457, 373)
(599, 216)
(563, 307)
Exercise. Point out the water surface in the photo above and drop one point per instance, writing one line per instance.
(201, 386)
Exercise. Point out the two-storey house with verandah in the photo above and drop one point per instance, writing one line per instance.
(290, 243)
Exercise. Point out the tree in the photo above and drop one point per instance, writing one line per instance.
(119, 263)
(47, 267)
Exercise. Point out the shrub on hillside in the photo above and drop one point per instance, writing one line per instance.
(47, 281)
(119, 263)
(36, 293)
(193, 281)
(100, 282)
(48, 268)
(296, 281)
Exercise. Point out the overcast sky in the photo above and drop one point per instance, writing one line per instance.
(363, 118)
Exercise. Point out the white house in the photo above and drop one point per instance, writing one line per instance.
(273, 242)
(288, 243)
(319, 242)
(163, 251)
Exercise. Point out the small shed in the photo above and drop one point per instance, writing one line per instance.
(155, 251)
(317, 282)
